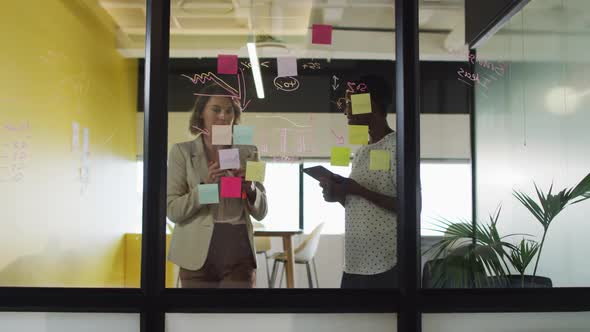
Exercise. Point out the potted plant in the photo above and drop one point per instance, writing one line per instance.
(469, 256)
(548, 207)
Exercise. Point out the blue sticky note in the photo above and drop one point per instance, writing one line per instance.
(208, 193)
(243, 135)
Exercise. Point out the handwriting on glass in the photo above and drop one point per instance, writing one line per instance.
(353, 87)
(288, 83)
(240, 93)
(312, 65)
(489, 73)
(14, 152)
(247, 64)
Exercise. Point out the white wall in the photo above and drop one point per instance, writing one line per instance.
(507, 322)
(68, 322)
(281, 322)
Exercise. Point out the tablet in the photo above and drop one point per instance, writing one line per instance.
(318, 172)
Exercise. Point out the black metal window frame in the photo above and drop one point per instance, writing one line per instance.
(152, 301)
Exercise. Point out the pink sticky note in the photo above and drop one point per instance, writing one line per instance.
(227, 64)
(321, 34)
(231, 187)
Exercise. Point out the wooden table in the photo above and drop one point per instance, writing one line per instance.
(287, 236)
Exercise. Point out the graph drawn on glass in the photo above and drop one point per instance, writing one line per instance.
(240, 93)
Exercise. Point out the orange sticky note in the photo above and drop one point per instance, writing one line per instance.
(358, 135)
(361, 103)
(340, 156)
(379, 160)
(227, 64)
(255, 171)
(231, 187)
(321, 34)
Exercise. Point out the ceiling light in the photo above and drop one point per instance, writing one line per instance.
(255, 69)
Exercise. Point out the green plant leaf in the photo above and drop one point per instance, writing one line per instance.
(532, 206)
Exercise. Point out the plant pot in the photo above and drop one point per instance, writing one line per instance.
(516, 281)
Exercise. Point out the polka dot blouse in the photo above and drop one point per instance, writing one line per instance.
(370, 240)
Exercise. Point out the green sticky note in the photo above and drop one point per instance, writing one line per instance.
(208, 193)
(255, 171)
(358, 135)
(243, 135)
(361, 103)
(340, 156)
(379, 160)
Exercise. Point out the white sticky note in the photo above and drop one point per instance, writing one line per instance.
(85, 140)
(229, 159)
(221, 135)
(286, 66)
(75, 136)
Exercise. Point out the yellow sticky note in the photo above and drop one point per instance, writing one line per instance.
(358, 135)
(361, 103)
(379, 160)
(255, 171)
(340, 156)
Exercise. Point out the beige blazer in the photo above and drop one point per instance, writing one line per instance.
(187, 166)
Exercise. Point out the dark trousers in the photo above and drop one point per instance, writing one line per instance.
(387, 279)
(229, 262)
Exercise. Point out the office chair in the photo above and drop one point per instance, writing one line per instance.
(304, 254)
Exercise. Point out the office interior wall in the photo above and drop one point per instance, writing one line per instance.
(532, 127)
(64, 211)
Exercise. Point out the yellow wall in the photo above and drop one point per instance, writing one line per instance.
(59, 65)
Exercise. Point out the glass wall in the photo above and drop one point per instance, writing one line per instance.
(445, 146)
(285, 67)
(531, 132)
(68, 184)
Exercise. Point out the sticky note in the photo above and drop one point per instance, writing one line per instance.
(379, 160)
(255, 171)
(221, 135)
(358, 134)
(208, 193)
(231, 187)
(286, 66)
(243, 135)
(229, 159)
(321, 34)
(361, 103)
(340, 156)
(227, 64)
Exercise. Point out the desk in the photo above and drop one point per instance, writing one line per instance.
(287, 236)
